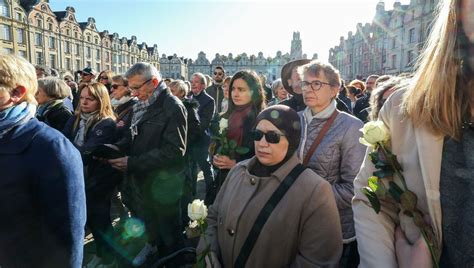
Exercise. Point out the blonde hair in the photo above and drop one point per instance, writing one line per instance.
(99, 92)
(432, 98)
(16, 71)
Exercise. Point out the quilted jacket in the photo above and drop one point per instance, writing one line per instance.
(337, 159)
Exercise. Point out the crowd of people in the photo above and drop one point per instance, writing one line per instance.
(282, 164)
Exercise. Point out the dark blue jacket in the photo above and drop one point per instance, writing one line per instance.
(205, 112)
(42, 199)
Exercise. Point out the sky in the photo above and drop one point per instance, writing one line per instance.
(186, 27)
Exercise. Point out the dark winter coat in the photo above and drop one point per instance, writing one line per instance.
(42, 199)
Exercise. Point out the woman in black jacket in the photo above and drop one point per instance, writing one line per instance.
(92, 125)
(246, 100)
(50, 97)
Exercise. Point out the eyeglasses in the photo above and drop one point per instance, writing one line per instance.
(270, 136)
(104, 77)
(216, 73)
(137, 88)
(315, 85)
(116, 86)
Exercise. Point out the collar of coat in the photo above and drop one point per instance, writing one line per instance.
(326, 113)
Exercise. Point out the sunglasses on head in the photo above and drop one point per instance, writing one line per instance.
(270, 136)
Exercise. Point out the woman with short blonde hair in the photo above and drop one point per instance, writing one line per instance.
(42, 199)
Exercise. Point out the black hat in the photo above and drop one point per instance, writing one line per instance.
(286, 72)
(287, 121)
(88, 70)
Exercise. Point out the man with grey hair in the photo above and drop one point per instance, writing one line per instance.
(362, 105)
(154, 164)
(200, 148)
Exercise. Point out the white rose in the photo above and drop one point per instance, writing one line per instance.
(223, 124)
(197, 210)
(373, 132)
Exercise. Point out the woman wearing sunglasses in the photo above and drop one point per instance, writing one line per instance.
(105, 77)
(330, 144)
(122, 103)
(303, 228)
(246, 100)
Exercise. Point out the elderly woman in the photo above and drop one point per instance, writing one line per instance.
(225, 90)
(330, 144)
(279, 92)
(50, 97)
(93, 124)
(431, 125)
(42, 200)
(302, 228)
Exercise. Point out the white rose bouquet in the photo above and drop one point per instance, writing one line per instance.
(197, 212)
(383, 186)
(223, 144)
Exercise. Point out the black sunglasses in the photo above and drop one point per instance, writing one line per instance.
(216, 73)
(116, 86)
(270, 136)
(104, 77)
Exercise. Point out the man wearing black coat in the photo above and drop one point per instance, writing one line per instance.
(154, 164)
(199, 150)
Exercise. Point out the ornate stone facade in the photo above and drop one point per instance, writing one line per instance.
(32, 30)
(269, 67)
(388, 45)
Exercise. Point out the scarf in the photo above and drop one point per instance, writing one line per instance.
(87, 120)
(236, 122)
(44, 109)
(140, 107)
(15, 116)
(326, 113)
(116, 103)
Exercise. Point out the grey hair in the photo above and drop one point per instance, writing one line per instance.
(202, 77)
(315, 67)
(144, 69)
(54, 87)
(276, 85)
(180, 85)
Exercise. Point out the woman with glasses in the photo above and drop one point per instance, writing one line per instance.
(93, 124)
(122, 103)
(330, 144)
(246, 100)
(303, 228)
(105, 77)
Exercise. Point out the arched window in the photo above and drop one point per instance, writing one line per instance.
(4, 8)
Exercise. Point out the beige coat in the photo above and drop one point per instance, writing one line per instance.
(419, 153)
(302, 231)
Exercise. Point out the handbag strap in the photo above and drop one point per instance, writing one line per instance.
(265, 214)
(320, 137)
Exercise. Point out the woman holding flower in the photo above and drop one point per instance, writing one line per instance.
(302, 230)
(246, 100)
(430, 124)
